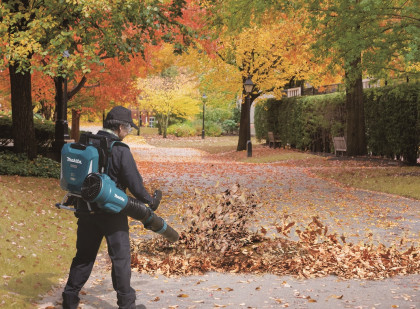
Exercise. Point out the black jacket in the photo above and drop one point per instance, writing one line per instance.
(123, 171)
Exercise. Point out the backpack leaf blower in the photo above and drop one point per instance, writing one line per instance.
(101, 189)
(84, 167)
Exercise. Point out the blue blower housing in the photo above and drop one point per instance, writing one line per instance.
(102, 190)
(77, 161)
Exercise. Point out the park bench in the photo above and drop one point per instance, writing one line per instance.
(273, 140)
(339, 144)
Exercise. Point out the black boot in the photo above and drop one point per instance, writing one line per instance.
(70, 301)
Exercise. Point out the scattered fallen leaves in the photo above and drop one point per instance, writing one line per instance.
(217, 237)
(182, 296)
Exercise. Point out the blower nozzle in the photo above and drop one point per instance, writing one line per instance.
(101, 189)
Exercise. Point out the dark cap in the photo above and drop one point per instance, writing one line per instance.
(121, 113)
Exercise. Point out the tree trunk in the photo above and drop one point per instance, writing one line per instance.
(61, 124)
(46, 109)
(164, 125)
(244, 133)
(356, 138)
(22, 113)
(20, 85)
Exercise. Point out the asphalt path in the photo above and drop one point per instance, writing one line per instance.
(285, 189)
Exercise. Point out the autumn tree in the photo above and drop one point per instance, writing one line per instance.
(274, 49)
(169, 94)
(14, 22)
(272, 55)
(366, 38)
(66, 37)
(363, 38)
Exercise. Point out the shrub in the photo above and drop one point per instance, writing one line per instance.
(229, 126)
(44, 131)
(181, 130)
(218, 115)
(213, 129)
(18, 164)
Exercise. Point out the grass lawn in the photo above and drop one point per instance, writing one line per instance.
(211, 145)
(271, 156)
(401, 180)
(36, 239)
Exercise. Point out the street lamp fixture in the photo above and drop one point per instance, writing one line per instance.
(204, 97)
(249, 86)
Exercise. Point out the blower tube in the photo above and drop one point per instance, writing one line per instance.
(101, 189)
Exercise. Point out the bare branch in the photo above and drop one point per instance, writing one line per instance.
(76, 89)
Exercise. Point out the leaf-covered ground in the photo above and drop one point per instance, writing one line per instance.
(254, 233)
(278, 218)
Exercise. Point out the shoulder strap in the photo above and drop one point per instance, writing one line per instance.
(111, 144)
(104, 146)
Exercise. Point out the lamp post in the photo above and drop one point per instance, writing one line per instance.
(140, 112)
(204, 97)
(248, 86)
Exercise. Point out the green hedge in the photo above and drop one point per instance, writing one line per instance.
(44, 131)
(18, 164)
(306, 123)
(393, 121)
(392, 117)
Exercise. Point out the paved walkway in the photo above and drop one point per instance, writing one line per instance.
(292, 190)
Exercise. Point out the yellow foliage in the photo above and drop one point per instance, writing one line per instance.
(218, 79)
(273, 53)
(162, 58)
(170, 96)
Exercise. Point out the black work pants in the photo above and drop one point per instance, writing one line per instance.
(90, 232)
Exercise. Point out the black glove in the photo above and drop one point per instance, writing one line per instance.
(157, 196)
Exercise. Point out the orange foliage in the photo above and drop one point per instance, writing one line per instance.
(4, 90)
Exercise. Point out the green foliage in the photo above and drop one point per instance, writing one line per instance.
(393, 121)
(309, 122)
(186, 129)
(44, 131)
(213, 129)
(229, 126)
(218, 115)
(170, 72)
(18, 164)
(220, 120)
(182, 129)
(71, 35)
(384, 32)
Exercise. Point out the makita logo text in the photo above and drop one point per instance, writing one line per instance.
(77, 161)
(119, 197)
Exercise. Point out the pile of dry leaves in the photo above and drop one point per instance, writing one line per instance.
(218, 237)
